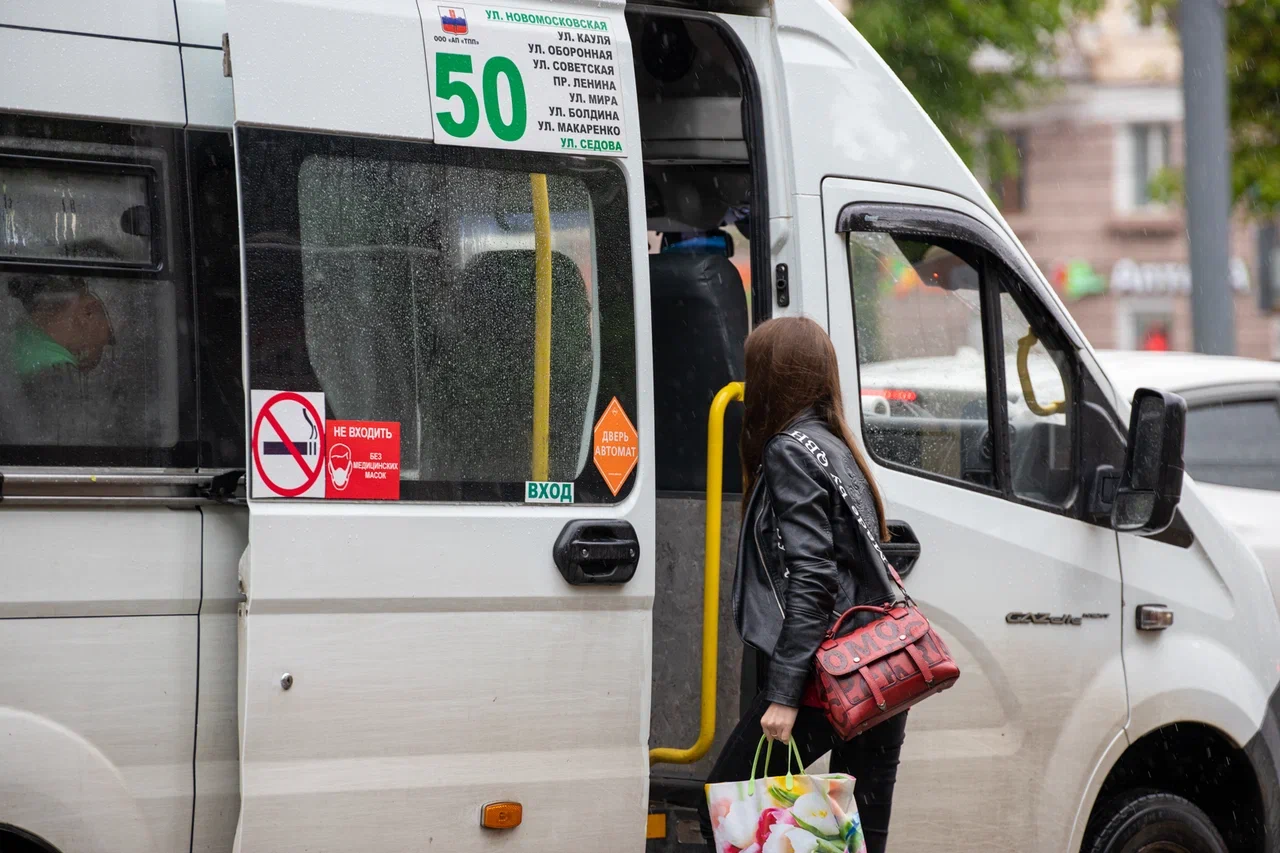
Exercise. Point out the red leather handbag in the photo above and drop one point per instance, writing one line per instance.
(882, 668)
(887, 665)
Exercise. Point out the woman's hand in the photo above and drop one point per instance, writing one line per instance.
(778, 721)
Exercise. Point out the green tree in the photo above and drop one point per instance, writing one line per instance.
(932, 46)
(1253, 81)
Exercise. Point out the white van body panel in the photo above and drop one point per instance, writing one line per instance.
(97, 724)
(129, 19)
(83, 677)
(551, 687)
(851, 116)
(57, 73)
(1109, 758)
(1027, 699)
(209, 101)
(344, 67)
(201, 22)
(96, 570)
(757, 36)
(1215, 587)
(217, 764)
(810, 253)
(1252, 513)
(66, 791)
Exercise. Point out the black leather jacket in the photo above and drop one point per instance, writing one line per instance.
(801, 559)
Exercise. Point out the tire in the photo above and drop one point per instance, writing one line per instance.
(1154, 822)
(13, 843)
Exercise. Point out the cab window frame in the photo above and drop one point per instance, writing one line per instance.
(999, 270)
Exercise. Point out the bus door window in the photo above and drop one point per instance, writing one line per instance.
(400, 279)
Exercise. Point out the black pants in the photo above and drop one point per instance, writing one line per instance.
(871, 758)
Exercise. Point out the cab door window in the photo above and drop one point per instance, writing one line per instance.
(923, 377)
(1039, 407)
(963, 374)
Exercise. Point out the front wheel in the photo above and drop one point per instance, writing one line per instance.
(1154, 822)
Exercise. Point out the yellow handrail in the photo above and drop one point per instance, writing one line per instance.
(710, 585)
(1025, 344)
(541, 328)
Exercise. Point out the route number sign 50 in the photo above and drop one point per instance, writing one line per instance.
(449, 87)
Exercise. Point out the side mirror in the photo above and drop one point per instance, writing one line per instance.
(1151, 484)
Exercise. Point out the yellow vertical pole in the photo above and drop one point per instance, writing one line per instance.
(541, 328)
(710, 585)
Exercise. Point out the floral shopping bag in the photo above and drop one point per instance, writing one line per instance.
(785, 814)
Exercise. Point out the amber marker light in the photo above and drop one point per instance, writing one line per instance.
(501, 815)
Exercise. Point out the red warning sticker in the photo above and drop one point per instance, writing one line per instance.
(362, 460)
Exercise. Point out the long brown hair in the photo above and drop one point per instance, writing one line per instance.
(791, 366)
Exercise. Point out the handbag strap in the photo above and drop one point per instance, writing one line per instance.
(820, 456)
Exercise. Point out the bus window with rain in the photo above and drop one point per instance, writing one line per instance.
(89, 353)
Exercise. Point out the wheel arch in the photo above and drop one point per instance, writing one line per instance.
(1197, 761)
(63, 792)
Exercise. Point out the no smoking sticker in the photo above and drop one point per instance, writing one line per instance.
(288, 444)
(616, 447)
(362, 460)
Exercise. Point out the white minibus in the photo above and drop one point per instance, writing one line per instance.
(361, 486)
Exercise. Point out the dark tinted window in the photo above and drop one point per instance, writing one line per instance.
(1235, 444)
(96, 358)
(216, 263)
(119, 296)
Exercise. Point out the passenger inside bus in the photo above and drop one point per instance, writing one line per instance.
(66, 325)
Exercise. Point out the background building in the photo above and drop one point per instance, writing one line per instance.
(1081, 200)
(1082, 205)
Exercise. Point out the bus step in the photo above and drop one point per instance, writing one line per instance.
(672, 829)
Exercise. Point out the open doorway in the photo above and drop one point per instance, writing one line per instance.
(709, 282)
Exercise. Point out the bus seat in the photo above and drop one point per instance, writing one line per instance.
(477, 374)
(700, 323)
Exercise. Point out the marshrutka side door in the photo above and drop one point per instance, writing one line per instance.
(450, 570)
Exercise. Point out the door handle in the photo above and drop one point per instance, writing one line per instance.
(597, 552)
(903, 548)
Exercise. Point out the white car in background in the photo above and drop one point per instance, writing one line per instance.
(1232, 429)
(1233, 433)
